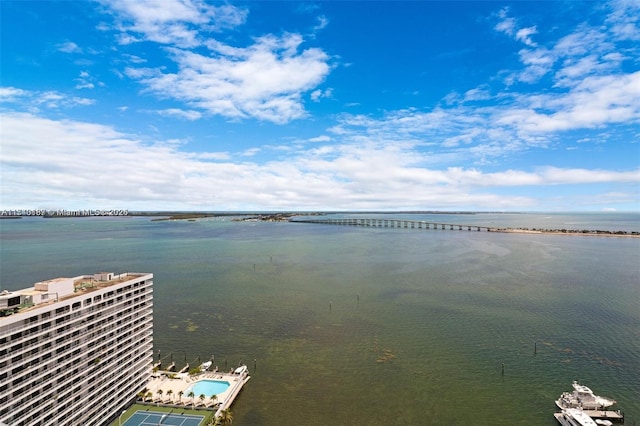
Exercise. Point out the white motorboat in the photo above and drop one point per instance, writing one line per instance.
(240, 370)
(574, 417)
(583, 397)
(205, 366)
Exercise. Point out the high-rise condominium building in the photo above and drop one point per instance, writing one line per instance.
(75, 351)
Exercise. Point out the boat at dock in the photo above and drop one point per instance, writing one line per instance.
(241, 370)
(574, 417)
(205, 366)
(583, 397)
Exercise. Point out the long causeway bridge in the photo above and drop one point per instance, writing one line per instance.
(396, 223)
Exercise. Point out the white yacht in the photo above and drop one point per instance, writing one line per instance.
(583, 397)
(205, 366)
(574, 417)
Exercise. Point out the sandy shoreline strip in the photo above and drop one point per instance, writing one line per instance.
(568, 232)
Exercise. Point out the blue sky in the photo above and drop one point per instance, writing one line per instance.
(331, 105)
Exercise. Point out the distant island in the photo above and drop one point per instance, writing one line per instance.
(236, 217)
(180, 216)
(595, 232)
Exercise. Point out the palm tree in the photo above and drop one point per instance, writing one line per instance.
(148, 395)
(225, 418)
(142, 394)
(180, 396)
(170, 394)
(159, 392)
(192, 395)
(213, 399)
(202, 397)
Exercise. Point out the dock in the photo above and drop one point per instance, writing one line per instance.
(236, 387)
(615, 416)
(170, 389)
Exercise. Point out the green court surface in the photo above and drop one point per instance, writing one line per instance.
(155, 418)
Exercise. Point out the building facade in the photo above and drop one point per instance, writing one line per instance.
(75, 351)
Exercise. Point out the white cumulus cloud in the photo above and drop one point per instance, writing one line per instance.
(263, 81)
(175, 22)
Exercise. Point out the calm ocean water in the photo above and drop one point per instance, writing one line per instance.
(373, 326)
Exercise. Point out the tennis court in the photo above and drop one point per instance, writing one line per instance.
(154, 418)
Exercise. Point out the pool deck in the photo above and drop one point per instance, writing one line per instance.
(180, 382)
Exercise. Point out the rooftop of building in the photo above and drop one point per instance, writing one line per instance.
(58, 289)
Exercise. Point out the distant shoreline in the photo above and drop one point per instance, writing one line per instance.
(287, 216)
(588, 233)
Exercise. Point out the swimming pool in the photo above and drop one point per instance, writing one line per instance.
(207, 387)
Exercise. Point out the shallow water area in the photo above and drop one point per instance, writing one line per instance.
(373, 325)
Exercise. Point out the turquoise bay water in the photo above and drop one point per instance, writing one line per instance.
(374, 326)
